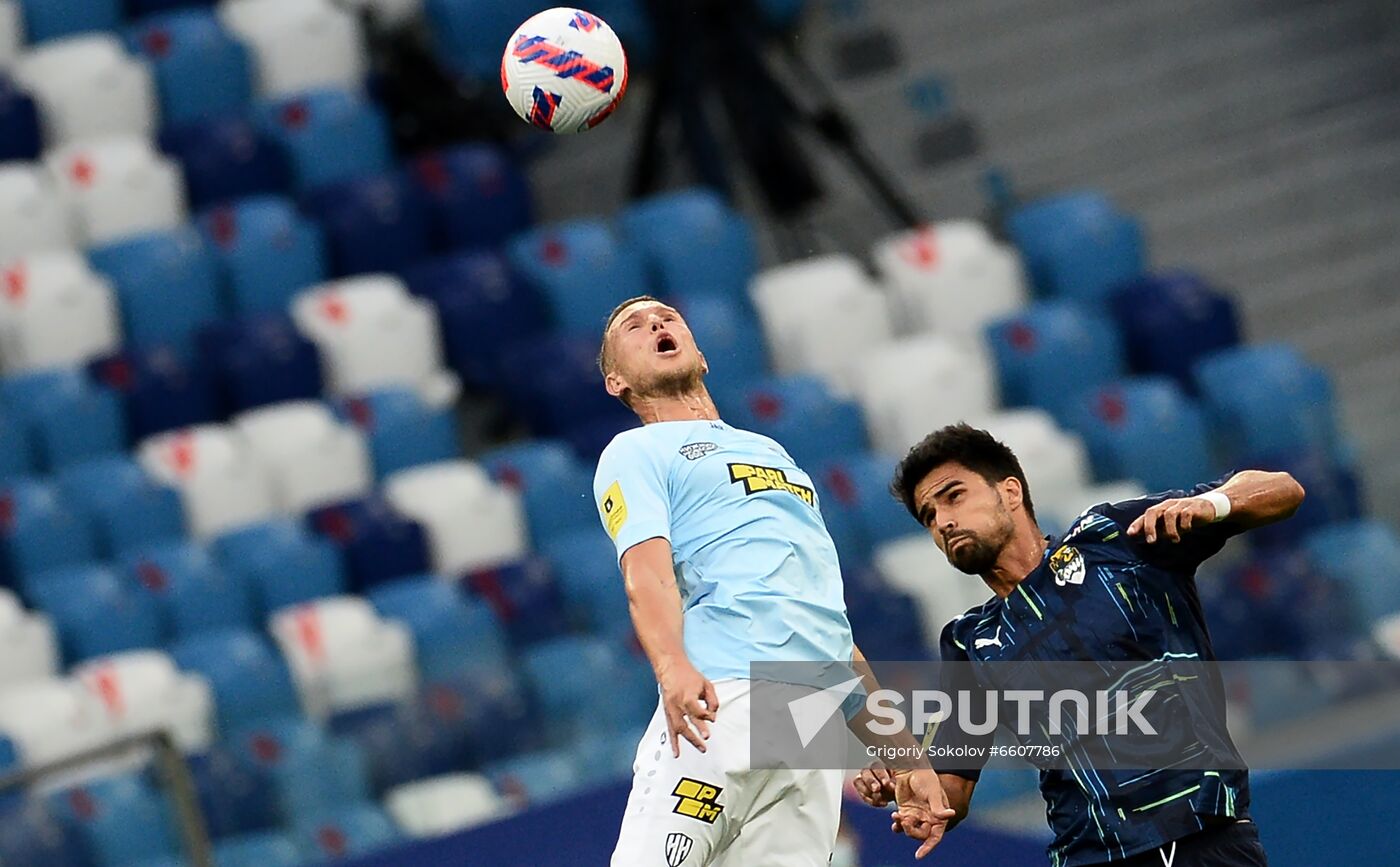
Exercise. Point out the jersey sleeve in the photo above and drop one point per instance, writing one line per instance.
(1195, 547)
(952, 750)
(630, 491)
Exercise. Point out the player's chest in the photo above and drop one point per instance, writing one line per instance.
(719, 472)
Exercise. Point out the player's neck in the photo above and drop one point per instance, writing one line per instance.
(1018, 559)
(691, 406)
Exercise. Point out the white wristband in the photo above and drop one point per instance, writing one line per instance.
(1220, 501)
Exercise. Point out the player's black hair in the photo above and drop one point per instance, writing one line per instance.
(604, 360)
(964, 444)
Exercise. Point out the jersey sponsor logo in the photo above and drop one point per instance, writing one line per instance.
(697, 800)
(696, 451)
(1068, 566)
(678, 848)
(614, 509)
(759, 479)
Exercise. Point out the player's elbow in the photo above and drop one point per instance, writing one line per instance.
(1291, 493)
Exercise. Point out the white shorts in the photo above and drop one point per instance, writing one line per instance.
(708, 809)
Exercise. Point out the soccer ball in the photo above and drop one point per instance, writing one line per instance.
(564, 70)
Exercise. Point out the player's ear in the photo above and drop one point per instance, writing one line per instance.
(615, 384)
(704, 365)
(1013, 494)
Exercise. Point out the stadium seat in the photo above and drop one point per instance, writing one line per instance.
(51, 19)
(557, 489)
(260, 360)
(734, 354)
(1056, 463)
(451, 631)
(525, 597)
(536, 778)
(221, 482)
(55, 311)
(227, 158)
(444, 805)
(20, 135)
(257, 850)
(344, 832)
(1172, 319)
(298, 45)
(123, 820)
(329, 136)
(584, 564)
(343, 656)
(281, 563)
(141, 8)
(167, 284)
(268, 251)
(96, 611)
(1145, 428)
(232, 796)
(1364, 557)
(915, 385)
(1078, 245)
(913, 565)
(194, 592)
(143, 692)
(472, 523)
(1334, 495)
(951, 277)
(580, 270)
(388, 15)
(11, 32)
(609, 756)
(30, 833)
(693, 244)
(28, 645)
(554, 384)
(372, 223)
(200, 70)
(1276, 603)
(468, 35)
(88, 87)
(50, 720)
(800, 413)
(69, 417)
(482, 307)
(117, 188)
(1267, 399)
(124, 507)
(477, 196)
(33, 214)
(562, 675)
(40, 531)
(1052, 353)
(855, 490)
(888, 621)
(313, 458)
(16, 451)
(328, 775)
(249, 681)
(162, 386)
(373, 334)
(403, 431)
(376, 544)
(820, 316)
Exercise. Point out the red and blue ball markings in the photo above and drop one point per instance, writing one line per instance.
(566, 64)
(585, 22)
(545, 106)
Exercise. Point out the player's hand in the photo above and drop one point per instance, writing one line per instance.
(923, 808)
(691, 705)
(875, 787)
(1172, 519)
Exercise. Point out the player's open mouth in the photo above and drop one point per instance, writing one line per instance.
(666, 345)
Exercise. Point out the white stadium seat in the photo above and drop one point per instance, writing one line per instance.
(918, 384)
(445, 804)
(28, 646)
(472, 522)
(1055, 462)
(88, 86)
(118, 187)
(373, 334)
(821, 316)
(55, 310)
(914, 565)
(144, 692)
(52, 720)
(222, 483)
(34, 216)
(11, 32)
(393, 13)
(313, 458)
(951, 277)
(343, 656)
(299, 44)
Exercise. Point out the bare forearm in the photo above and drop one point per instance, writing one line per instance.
(1258, 497)
(898, 751)
(655, 604)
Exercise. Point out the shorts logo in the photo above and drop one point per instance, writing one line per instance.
(614, 509)
(697, 800)
(696, 451)
(1068, 566)
(678, 847)
(759, 479)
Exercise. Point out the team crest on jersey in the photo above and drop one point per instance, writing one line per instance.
(696, 451)
(678, 848)
(1068, 566)
(697, 800)
(759, 479)
(614, 509)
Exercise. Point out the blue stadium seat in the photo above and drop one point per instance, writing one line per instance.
(1266, 399)
(201, 71)
(152, 7)
(557, 488)
(96, 611)
(39, 531)
(249, 681)
(20, 135)
(1334, 495)
(585, 566)
(1052, 353)
(403, 431)
(123, 506)
(1363, 557)
(51, 19)
(887, 620)
(468, 34)
(30, 833)
(451, 632)
(858, 486)
(537, 778)
(376, 543)
(694, 244)
(16, 450)
(260, 360)
(164, 387)
(167, 285)
(482, 308)
(257, 850)
(327, 777)
(372, 223)
(281, 562)
(1078, 245)
(227, 158)
(1144, 429)
(1172, 319)
(564, 675)
(724, 330)
(231, 795)
(344, 832)
(329, 135)
(1276, 603)
(581, 270)
(478, 196)
(122, 819)
(800, 413)
(195, 594)
(554, 384)
(68, 417)
(525, 598)
(268, 250)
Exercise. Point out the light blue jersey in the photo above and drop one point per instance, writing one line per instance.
(757, 570)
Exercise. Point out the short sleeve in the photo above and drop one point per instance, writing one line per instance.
(630, 492)
(952, 750)
(1195, 547)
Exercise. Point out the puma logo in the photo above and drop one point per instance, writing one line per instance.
(988, 642)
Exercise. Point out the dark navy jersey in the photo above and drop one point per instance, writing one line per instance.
(1100, 595)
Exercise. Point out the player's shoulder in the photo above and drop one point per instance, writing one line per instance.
(1098, 523)
(958, 630)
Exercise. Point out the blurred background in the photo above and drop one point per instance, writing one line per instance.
(299, 409)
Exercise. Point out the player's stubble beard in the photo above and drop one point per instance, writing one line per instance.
(671, 383)
(980, 553)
